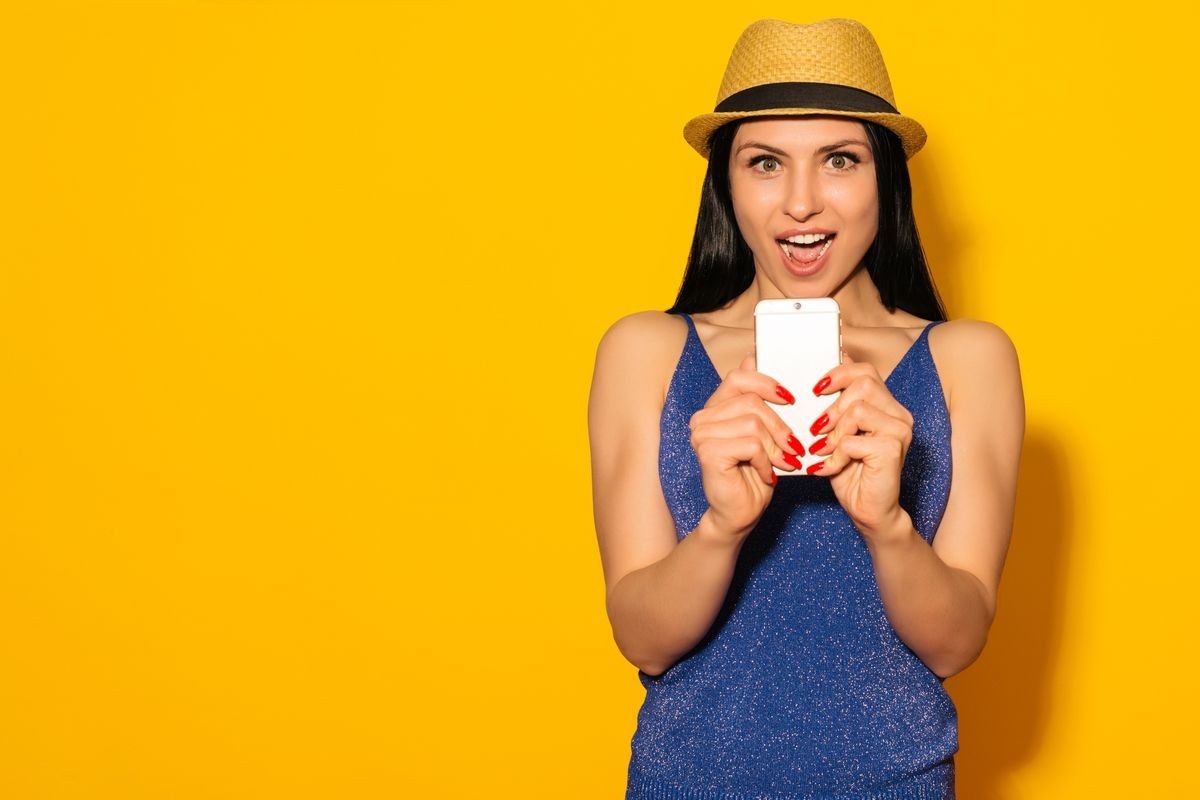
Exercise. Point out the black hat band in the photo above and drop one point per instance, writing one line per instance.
(831, 96)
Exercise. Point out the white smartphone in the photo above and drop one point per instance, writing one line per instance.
(796, 341)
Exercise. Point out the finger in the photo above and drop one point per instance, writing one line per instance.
(834, 383)
(726, 454)
(838, 378)
(862, 422)
(747, 380)
(748, 405)
(870, 389)
(865, 388)
(875, 452)
(862, 418)
(751, 425)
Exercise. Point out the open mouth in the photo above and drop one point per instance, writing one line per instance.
(806, 248)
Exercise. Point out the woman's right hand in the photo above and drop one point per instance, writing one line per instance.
(737, 439)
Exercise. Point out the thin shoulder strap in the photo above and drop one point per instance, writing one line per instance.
(929, 327)
(688, 319)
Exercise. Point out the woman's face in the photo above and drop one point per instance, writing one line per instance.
(805, 199)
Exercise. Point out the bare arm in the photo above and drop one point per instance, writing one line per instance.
(941, 599)
(663, 594)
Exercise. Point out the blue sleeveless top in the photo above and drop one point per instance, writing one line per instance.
(801, 689)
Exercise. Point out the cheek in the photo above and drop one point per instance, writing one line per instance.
(750, 209)
(860, 206)
(743, 211)
(870, 220)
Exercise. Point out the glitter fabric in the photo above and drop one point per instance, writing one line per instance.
(801, 689)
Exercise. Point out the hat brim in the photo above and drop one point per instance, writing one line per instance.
(698, 130)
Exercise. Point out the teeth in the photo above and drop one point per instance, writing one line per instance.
(807, 238)
(787, 247)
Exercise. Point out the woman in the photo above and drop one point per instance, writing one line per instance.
(792, 633)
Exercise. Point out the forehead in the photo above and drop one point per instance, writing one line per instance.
(801, 133)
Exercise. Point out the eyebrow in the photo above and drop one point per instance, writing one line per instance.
(820, 150)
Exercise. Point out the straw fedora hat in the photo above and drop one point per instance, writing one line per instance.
(829, 67)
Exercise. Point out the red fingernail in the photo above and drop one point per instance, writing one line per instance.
(794, 443)
(821, 385)
(815, 467)
(819, 444)
(774, 479)
(787, 396)
(821, 422)
(792, 461)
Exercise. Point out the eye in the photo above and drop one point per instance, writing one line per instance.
(765, 163)
(842, 161)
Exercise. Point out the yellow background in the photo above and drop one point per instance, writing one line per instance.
(298, 303)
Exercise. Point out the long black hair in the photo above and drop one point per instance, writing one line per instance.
(720, 265)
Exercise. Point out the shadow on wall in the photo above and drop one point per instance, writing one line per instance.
(1003, 699)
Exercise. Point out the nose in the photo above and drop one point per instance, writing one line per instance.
(804, 196)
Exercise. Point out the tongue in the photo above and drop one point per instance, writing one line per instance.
(807, 253)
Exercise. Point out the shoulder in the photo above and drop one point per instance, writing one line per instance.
(646, 339)
(645, 328)
(973, 343)
(638, 352)
(977, 361)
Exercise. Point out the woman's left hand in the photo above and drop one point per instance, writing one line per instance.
(867, 437)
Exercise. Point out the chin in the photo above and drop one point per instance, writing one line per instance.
(821, 284)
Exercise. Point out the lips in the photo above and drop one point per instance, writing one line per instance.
(804, 253)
